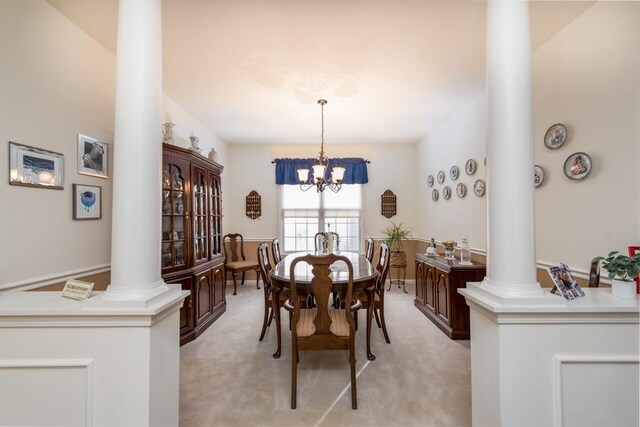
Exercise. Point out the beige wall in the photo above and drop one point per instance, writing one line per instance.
(587, 77)
(56, 82)
(392, 167)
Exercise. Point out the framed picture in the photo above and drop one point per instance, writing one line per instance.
(461, 190)
(87, 201)
(577, 166)
(454, 172)
(35, 167)
(435, 194)
(538, 175)
(470, 167)
(446, 192)
(478, 188)
(93, 156)
(564, 283)
(440, 177)
(555, 136)
(634, 250)
(430, 180)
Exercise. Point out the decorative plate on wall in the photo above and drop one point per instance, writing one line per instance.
(577, 166)
(556, 136)
(470, 167)
(478, 188)
(454, 172)
(461, 190)
(446, 192)
(538, 175)
(440, 177)
(430, 180)
(435, 194)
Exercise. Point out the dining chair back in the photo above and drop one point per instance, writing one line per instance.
(382, 267)
(322, 241)
(594, 275)
(234, 260)
(322, 327)
(369, 247)
(275, 250)
(265, 267)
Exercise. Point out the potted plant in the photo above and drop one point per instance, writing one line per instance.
(621, 270)
(395, 234)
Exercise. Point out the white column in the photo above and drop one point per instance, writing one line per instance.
(511, 260)
(135, 235)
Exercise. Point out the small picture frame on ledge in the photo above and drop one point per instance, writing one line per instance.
(93, 156)
(87, 201)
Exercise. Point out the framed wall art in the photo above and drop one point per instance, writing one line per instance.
(430, 180)
(577, 166)
(555, 136)
(454, 173)
(470, 167)
(435, 194)
(478, 188)
(446, 192)
(538, 175)
(93, 156)
(440, 177)
(461, 190)
(87, 201)
(35, 167)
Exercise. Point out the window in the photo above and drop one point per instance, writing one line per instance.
(304, 213)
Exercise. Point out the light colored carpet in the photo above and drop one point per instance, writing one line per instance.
(229, 378)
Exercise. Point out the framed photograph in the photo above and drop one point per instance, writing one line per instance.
(564, 282)
(435, 194)
(93, 156)
(478, 188)
(446, 192)
(35, 167)
(454, 172)
(555, 136)
(461, 190)
(87, 201)
(430, 180)
(470, 167)
(634, 250)
(538, 175)
(577, 166)
(440, 177)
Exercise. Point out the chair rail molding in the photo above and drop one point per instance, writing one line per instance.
(50, 279)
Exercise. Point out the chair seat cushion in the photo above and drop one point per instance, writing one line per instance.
(339, 325)
(241, 265)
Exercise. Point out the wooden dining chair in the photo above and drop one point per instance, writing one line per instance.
(235, 264)
(382, 267)
(322, 327)
(322, 236)
(265, 267)
(275, 250)
(370, 246)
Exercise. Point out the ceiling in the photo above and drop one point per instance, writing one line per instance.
(252, 70)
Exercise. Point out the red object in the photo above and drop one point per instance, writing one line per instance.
(632, 251)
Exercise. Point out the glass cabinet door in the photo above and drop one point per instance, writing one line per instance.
(215, 217)
(174, 217)
(200, 240)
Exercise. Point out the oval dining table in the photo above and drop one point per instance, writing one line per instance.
(364, 279)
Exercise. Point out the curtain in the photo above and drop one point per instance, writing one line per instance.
(355, 170)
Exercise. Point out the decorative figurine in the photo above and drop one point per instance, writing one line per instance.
(465, 252)
(195, 144)
(167, 133)
(431, 250)
(213, 155)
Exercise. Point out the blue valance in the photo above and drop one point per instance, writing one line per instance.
(355, 169)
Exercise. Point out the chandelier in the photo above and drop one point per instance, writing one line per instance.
(320, 167)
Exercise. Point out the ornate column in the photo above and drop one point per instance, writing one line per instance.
(511, 260)
(135, 235)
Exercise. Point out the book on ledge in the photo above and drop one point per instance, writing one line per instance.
(564, 282)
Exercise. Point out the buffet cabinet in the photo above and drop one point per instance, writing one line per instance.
(191, 253)
(437, 284)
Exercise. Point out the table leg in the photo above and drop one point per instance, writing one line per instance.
(275, 300)
(371, 297)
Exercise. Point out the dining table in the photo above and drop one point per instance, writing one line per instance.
(364, 280)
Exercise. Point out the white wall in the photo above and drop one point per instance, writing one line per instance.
(56, 82)
(587, 77)
(392, 167)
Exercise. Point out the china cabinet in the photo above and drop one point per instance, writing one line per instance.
(191, 251)
(437, 283)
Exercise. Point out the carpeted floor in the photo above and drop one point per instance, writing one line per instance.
(229, 378)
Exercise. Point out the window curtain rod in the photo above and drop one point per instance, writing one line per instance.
(365, 160)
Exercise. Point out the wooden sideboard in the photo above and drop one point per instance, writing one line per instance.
(192, 236)
(437, 284)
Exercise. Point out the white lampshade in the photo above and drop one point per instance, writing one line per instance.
(303, 175)
(318, 171)
(337, 174)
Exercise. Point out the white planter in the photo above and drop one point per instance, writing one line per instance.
(623, 288)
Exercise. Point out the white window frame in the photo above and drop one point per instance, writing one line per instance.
(321, 218)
